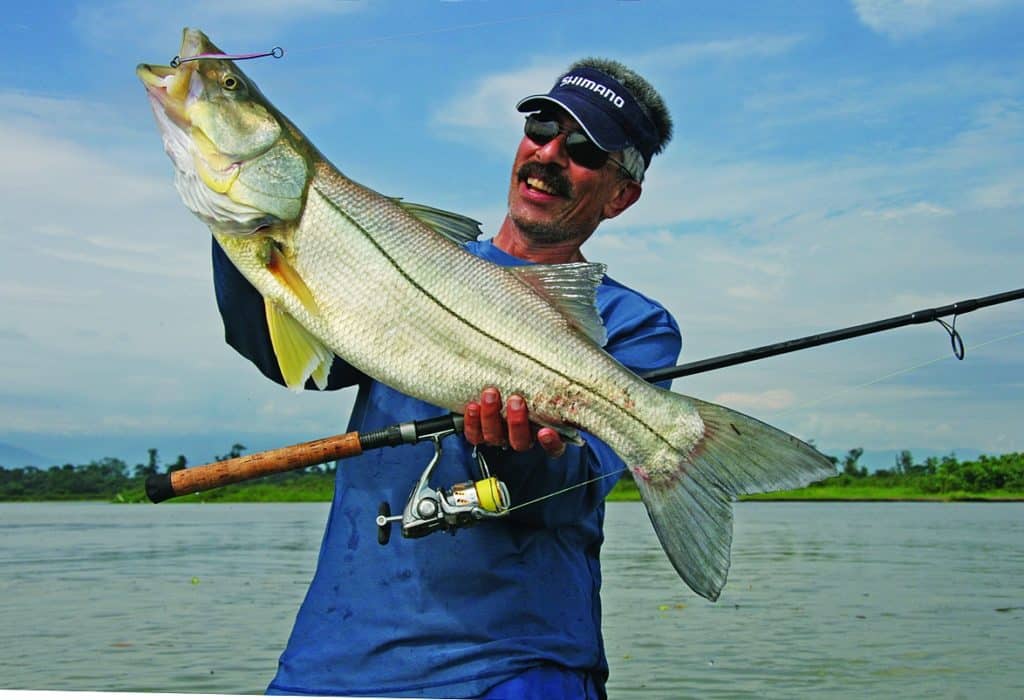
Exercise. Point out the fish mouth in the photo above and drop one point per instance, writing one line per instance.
(168, 87)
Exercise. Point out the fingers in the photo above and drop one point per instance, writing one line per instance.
(482, 421)
(485, 425)
(471, 424)
(491, 423)
(551, 441)
(520, 436)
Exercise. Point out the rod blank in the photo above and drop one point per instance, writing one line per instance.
(811, 341)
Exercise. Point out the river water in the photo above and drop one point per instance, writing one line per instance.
(824, 600)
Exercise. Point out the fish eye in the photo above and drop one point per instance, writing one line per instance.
(230, 82)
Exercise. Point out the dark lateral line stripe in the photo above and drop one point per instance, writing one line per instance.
(466, 322)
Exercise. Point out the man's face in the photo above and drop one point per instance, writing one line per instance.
(553, 199)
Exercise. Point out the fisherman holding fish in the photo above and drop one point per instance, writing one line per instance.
(324, 283)
(509, 609)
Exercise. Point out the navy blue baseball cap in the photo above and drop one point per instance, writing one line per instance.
(607, 111)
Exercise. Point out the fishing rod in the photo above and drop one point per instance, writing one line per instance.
(923, 316)
(430, 510)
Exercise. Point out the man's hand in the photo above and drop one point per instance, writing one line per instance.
(484, 425)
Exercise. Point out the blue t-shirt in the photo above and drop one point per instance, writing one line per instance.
(451, 616)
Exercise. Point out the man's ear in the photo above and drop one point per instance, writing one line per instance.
(627, 193)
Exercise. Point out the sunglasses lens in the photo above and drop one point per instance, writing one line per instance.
(540, 132)
(581, 149)
(584, 151)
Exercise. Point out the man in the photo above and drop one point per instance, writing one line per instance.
(511, 608)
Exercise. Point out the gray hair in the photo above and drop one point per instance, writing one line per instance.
(633, 163)
(646, 96)
(650, 103)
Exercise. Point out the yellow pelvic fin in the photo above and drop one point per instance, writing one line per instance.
(287, 275)
(300, 355)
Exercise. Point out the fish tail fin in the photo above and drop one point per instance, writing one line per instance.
(688, 490)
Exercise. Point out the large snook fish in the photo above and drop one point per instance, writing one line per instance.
(384, 285)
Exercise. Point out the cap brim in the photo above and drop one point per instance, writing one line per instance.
(597, 124)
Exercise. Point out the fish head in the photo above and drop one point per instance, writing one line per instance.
(239, 164)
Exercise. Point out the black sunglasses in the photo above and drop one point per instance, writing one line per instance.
(578, 145)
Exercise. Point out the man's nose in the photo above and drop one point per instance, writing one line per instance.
(554, 151)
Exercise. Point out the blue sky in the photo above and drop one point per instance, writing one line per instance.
(834, 163)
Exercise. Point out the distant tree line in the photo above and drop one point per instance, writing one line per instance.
(108, 478)
(102, 479)
(936, 474)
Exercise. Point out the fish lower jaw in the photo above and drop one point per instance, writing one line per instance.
(173, 109)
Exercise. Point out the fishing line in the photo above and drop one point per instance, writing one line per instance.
(898, 372)
(429, 32)
(959, 355)
(278, 51)
(567, 489)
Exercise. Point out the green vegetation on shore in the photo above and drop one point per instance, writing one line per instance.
(998, 478)
(987, 478)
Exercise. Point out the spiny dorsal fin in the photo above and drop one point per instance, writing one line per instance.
(300, 355)
(455, 227)
(572, 287)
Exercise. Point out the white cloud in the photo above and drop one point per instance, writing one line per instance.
(917, 209)
(998, 195)
(676, 56)
(483, 111)
(904, 18)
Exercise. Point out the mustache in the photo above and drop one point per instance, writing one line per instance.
(550, 173)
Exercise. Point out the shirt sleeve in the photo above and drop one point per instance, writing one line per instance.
(245, 325)
(642, 342)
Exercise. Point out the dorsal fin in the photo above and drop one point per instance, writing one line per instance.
(455, 227)
(572, 287)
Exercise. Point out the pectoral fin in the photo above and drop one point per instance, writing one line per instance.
(300, 355)
(290, 278)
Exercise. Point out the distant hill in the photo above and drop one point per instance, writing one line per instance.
(14, 457)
